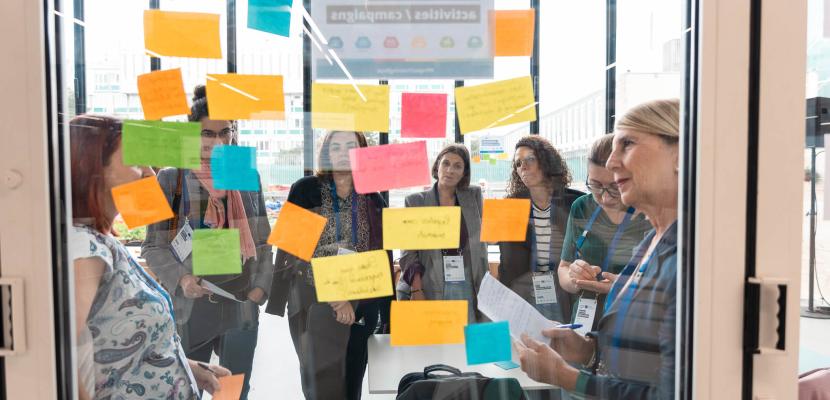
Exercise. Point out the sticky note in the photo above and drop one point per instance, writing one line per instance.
(216, 252)
(162, 144)
(487, 342)
(340, 107)
(141, 202)
(234, 168)
(505, 220)
(421, 228)
(428, 322)
(495, 104)
(514, 32)
(162, 94)
(272, 16)
(230, 387)
(423, 115)
(236, 96)
(297, 231)
(373, 167)
(181, 34)
(352, 276)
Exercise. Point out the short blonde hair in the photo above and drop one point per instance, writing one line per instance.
(657, 117)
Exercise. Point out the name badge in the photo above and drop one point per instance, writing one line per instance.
(586, 311)
(543, 289)
(342, 251)
(182, 244)
(454, 269)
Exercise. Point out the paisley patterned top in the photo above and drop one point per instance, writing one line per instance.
(135, 351)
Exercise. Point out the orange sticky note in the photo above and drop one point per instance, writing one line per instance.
(181, 34)
(514, 32)
(505, 220)
(162, 94)
(141, 202)
(428, 322)
(230, 387)
(236, 96)
(297, 231)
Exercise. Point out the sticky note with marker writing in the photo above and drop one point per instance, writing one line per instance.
(423, 115)
(181, 34)
(216, 252)
(272, 16)
(514, 32)
(341, 107)
(495, 104)
(297, 231)
(141, 202)
(162, 94)
(487, 342)
(352, 276)
(162, 144)
(390, 166)
(421, 228)
(505, 220)
(234, 168)
(230, 387)
(246, 97)
(428, 322)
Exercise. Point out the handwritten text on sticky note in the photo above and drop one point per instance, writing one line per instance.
(428, 322)
(162, 94)
(495, 104)
(487, 342)
(421, 228)
(297, 231)
(181, 34)
(250, 97)
(234, 168)
(505, 220)
(423, 115)
(352, 276)
(390, 166)
(141, 202)
(216, 252)
(340, 107)
(162, 144)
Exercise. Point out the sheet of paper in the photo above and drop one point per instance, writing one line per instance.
(352, 276)
(219, 291)
(423, 115)
(428, 322)
(505, 220)
(421, 228)
(297, 231)
(487, 342)
(181, 34)
(246, 97)
(234, 168)
(499, 303)
(495, 104)
(271, 16)
(230, 387)
(341, 107)
(162, 94)
(141, 202)
(372, 167)
(216, 252)
(162, 144)
(514, 32)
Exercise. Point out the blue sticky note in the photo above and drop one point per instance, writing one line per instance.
(487, 342)
(234, 168)
(272, 16)
(506, 365)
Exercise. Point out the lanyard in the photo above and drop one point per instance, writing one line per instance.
(438, 203)
(152, 282)
(533, 246)
(335, 200)
(612, 247)
(186, 199)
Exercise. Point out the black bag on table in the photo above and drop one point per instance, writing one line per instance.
(456, 386)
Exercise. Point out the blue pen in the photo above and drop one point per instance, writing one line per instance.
(570, 326)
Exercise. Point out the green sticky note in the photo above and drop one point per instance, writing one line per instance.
(216, 252)
(162, 144)
(493, 161)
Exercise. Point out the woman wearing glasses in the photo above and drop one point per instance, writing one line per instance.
(209, 319)
(601, 234)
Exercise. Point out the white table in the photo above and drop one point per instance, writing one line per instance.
(387, 364)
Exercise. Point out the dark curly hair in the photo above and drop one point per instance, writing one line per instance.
(549, 160)
(199, 110)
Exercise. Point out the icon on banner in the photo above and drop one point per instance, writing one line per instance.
(335, 42)
(363, 42)
(391, 42)
(474, 42)
(419, 42)
(447, 42)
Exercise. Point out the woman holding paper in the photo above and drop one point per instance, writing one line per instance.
(529, 267)
(448, 274)
(215, 313)
(123, 318)
(632, 356)
(330, 338)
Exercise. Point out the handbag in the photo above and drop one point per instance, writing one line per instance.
(456, 385)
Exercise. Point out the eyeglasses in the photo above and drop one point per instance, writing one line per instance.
(528, 161)
(598, 190)
(223, 134)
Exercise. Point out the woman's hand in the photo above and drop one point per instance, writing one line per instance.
(542, 364)
(581, 270)
(572, 346)
(192, 287)
(603, 286)
(344, 312)
(256, 295)
(207, 376)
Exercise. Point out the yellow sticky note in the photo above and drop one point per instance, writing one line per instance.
(340, 107)
(428, 322)
(181, 34)
(514, 32)
(141, 202)
(421, 228)
(352, 276)
(505, 220)
(162, 94)
(495, 104)
(236, 96)
(297, 231)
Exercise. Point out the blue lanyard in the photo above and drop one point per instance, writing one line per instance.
(335, 201)
(612, 247)
(152, 282)
(186, 199)
(533, 247)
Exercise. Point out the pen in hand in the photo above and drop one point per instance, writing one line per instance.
(569, 326)
(205, 366)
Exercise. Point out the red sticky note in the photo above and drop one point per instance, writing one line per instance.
(390, 166)
(230, 387)
(424, 115)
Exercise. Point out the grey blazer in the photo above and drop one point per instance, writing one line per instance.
(156, 248)
(470, 200)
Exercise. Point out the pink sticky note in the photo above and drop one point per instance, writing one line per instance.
(424, 115)
(390, 166)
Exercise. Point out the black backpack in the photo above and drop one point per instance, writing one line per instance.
(456, 386)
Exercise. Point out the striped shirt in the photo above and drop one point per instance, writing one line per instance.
(547, 239)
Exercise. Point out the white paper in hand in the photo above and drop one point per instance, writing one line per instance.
(217, 290)
(499, 303)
